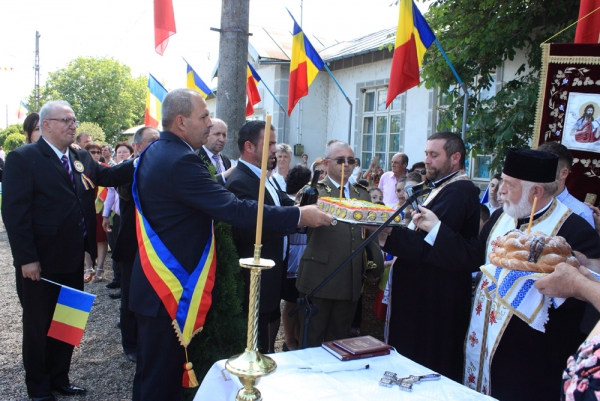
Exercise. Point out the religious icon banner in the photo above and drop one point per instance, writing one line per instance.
(568, 111)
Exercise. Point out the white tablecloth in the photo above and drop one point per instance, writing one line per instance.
(289, 382)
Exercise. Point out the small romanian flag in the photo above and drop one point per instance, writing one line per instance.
(155, 94)
(194, 82)
(22, 111)
(251, 90)
(71, 315)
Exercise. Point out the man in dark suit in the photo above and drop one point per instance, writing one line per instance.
(49, 213)
(244, 182)
(179, 200)
(126, 248)
(213, 147)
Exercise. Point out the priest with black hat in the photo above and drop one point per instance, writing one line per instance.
(507, 355)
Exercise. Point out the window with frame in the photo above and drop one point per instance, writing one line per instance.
(382, 129)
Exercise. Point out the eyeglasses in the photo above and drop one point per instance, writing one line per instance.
(94, 152)
(422, 172)
(67, 121)
(342, 160)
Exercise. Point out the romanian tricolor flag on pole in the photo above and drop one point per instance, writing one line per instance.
(71, 315)
(413, 38)
(154, 97)
(194, 82)
(304, 66)
(251, 90)
(164, 24)
(22, 111)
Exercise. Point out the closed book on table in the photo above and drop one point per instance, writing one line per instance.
(362, 345)
(344, 355)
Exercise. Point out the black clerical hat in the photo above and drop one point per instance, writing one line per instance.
(531, 165)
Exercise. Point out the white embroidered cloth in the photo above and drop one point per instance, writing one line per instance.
(514, 289)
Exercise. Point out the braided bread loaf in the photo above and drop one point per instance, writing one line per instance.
(535, 252)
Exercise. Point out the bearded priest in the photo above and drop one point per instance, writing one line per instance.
(515, 348)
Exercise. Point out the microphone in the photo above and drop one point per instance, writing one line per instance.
(418, 189)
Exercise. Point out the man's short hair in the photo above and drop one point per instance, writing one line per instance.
(297, 178)
(565, 158)
(250, 132)
(403, 158)
(81, 135)
(284, 147)
(334, 143)
(453, 145)
(414, 176)
(178, 102)
(138, 137)
(49, 107)
(218, 120)
(484, 212)
(550, 188)
(108, 147)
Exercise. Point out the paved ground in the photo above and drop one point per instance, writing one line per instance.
(98, 363)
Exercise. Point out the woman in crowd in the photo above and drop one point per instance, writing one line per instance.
(284, 157)
(319, 165)
(356, 173)
(31, 126)
(419, 167)
(376, 195)
(304, 161)
(90, 274)
(374, 173)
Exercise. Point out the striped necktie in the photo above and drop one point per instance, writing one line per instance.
(65, 162)
(218, 166)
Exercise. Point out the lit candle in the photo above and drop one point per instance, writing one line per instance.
(263, 180)
(342, 183)
(532, 213)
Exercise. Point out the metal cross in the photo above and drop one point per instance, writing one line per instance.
(405, 383)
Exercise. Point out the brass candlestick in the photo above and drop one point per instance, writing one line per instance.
(250, 366)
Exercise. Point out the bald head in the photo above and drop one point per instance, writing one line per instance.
(186, 115)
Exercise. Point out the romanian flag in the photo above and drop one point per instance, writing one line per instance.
(71, 315)
(251, 89)
(413, 38)
(164, 24)
(304, 66)
(194, 82)
(154, 97)
(22, 111)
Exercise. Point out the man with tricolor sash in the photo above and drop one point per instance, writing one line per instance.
(518, 342)
(50, 218)
(173, 275)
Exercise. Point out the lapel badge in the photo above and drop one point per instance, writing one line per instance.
(355, 190)
(328, 189)
(78, 166)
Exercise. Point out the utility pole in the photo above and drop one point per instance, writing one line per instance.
(36, 84)
(233, 60)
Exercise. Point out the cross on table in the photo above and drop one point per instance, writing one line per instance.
(405, 383)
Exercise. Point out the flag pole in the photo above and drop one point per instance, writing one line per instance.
(462, 85)
(284, 110)
(347, 100)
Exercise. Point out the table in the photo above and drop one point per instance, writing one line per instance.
(290, 382)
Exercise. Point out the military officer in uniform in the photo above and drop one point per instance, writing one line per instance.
(327, 247)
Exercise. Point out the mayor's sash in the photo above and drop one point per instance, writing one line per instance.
(186, 296)
(489, 316)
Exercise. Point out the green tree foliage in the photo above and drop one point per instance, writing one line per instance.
(13, 141)
(94, 130)
(11, 129)
(479, 36)
(100, 90)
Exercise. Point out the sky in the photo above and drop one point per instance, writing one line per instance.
(124, 30)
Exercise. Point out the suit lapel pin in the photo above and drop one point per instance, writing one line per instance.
(87, 183)
(328, 189)
(355, 190)
(78, 166)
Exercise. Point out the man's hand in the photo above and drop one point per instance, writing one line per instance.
(32, 271)
(425, 220)
(592, 264)
(313, 217)
(596, 212)
(106, 224)
(228, 172)
(566, 281)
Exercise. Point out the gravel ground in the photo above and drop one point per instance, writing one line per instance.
(98, 363)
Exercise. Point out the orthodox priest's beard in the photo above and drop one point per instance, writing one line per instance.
(523, 207)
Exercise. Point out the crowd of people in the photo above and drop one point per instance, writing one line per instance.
(67, 199)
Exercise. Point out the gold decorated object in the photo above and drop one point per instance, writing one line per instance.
(250, 366)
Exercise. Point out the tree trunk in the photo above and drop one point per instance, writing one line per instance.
(233, 58)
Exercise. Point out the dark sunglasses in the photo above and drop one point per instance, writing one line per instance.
(95, 152)
(422, 172)
(342, 160)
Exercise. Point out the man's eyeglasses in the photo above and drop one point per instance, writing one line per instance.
(94, 152)
(342, 160)
(67, 121)
(422, 172)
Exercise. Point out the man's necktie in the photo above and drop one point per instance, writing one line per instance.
(216, 159)
(344, 192)
(65, 162)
